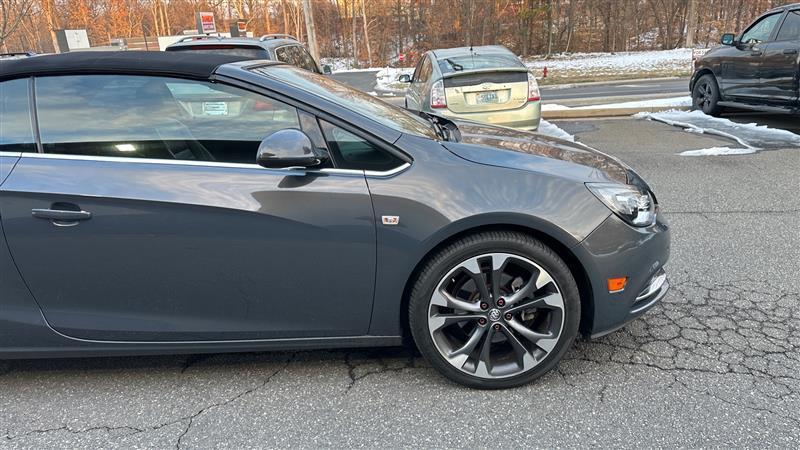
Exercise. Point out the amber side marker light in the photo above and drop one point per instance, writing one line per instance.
(616, 284)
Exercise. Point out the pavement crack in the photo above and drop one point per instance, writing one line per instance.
(383, 367)
(228, 401)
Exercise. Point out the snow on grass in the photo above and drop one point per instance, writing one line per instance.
(666, 62)
(752, 137)
(386, 80)
(718, 151)
(549, 129)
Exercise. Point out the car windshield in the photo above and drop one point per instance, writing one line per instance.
(364, 104)
(247, 52)
(478, 62)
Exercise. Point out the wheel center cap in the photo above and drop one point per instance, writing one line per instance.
(494, 315)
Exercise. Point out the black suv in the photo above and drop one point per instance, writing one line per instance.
(278, 47)
(756, 70)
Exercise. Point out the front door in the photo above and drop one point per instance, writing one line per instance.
(742, 70)
(779, 69)
(147, 219)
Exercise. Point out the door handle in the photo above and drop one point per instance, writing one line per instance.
(790, 51)
(61, 216)
(756, 53)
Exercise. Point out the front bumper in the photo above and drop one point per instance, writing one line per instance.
(525, 118)
(616, 249)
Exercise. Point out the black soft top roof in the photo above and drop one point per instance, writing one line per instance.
(191, 65)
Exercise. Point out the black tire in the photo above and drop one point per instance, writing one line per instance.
(442, 263)
(705, 95)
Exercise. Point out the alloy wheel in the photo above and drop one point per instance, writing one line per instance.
(705, 96)
(496, 315)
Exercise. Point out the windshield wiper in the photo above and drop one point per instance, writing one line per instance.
(439, 128)
(456, 66)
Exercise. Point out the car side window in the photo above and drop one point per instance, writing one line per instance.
(287, 54)
(16, 132)
(790, 30)
(352, 152)
(761, 30)
(417, 69)
(155, 117)
(305, 60)
(425, 72)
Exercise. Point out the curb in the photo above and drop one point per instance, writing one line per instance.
(612, 82)
(604, 112)
(593, 101)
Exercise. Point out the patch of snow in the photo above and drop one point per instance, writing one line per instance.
(554, 107)
(599, 64)
(549, 129)
(718, 151)
(750, 134)
(386, 80)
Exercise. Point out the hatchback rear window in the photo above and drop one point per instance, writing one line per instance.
(478, 62)
(247, 52)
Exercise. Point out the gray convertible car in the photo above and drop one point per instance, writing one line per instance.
(180, 203)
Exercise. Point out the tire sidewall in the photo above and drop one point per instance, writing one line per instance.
(520, 245)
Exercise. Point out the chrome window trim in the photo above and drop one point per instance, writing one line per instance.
(12, 154)
(172, 162)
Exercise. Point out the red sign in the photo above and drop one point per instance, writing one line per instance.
(402, 57)
(242, 26)
(205, 23)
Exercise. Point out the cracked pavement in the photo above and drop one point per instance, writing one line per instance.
(717, 363)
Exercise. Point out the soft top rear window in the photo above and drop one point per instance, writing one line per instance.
(478, 62)
(248, 52)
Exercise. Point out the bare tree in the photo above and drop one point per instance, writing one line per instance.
(12, 13)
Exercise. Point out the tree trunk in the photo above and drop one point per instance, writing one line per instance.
(691, 27)
(366, 32)
(311, 29)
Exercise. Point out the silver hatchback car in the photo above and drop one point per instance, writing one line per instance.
(486, 84)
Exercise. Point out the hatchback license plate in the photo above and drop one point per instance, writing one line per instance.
(487, 97)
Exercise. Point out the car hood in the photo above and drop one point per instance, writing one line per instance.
(507, 147)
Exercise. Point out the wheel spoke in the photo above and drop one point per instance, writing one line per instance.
(474, 270)
(444, 299)
(439, 321)
(524, 357)
(499, 261)
(485, 359)
(524, 292)
(549, 301)
(544, 341)
(460, 355)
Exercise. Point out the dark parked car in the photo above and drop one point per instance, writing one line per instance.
(176, 203)
(758, 69)
(277, 47)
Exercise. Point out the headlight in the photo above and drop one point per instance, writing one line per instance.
(633, 206)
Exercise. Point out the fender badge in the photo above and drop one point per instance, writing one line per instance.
(390, 220)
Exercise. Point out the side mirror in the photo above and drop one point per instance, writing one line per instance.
(404, 78)
(728, 39)
(288, 148)
(326, 69)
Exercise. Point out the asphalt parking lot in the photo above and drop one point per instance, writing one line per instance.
(716, 364)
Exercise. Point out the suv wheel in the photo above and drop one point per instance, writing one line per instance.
(705, 96)
(494, 310)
